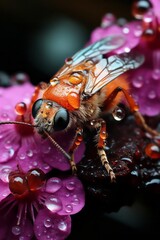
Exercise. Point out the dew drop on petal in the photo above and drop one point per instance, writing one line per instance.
(4, 173)
(156, 74)
(22, 156)
(53, 184)
(75, 201)
(53, 204)
(47, 223)
(126, 30)
(138, 31)
(127, 49)
(29, 153)
(8, 144)
(70, 185)
(152, 94)
(16, 230)
(68, 208)
(62, 226)
(138, 82)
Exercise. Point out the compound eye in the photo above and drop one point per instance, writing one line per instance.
(36, 106)
(61, 119)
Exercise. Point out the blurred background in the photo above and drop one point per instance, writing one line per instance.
(36, 36)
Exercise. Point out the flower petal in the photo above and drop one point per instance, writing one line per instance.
(51, 226)
(4, 190)
(71, 195)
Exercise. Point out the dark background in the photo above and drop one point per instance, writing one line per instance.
(35, 38)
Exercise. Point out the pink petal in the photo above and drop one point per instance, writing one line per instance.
(131, 32)
(4, 190)
(71, 195)
(51, 226)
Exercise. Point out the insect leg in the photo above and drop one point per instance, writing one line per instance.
(133, 107)
(101, 125)
(77, 140)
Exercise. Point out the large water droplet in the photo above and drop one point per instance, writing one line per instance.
(53, 204)
(53, 185)
(62, 226)
(16, 230)
(118, 113)
(47, 223)
(70, 185)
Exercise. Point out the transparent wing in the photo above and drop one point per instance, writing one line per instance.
(93, 52)
(106, 70)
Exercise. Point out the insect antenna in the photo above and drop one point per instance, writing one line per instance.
(46, 133)
(18, 123)
(57, 145)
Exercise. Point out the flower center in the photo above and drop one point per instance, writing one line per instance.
(26, 185)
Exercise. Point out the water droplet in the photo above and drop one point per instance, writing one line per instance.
(62, 226)
(137, 82)
(118, 113)
(153, 151)
(126, 30)
(75, 201)
(5, 116)
(107, 20)
(68, 61)
(156, 74)
(8, 144)
(68, 208)
(53, 204)
(47, 223)
(46, 149)
(152, 94)
(29, 153)
(35, 164)
(53, 185)
(138, 31)
(16, 230)
(20, 78)
(70, 185)
(4, 173)
(127, 49)
(22, 156)
(140, 7)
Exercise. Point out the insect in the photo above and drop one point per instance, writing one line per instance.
(86, 86)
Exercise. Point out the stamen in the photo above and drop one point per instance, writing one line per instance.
(58, 146)
(20, 210)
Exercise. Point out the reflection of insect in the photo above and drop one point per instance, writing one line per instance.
(82, 90)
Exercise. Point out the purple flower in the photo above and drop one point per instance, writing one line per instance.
(142, 35)
(21, 144)
(38, 207)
